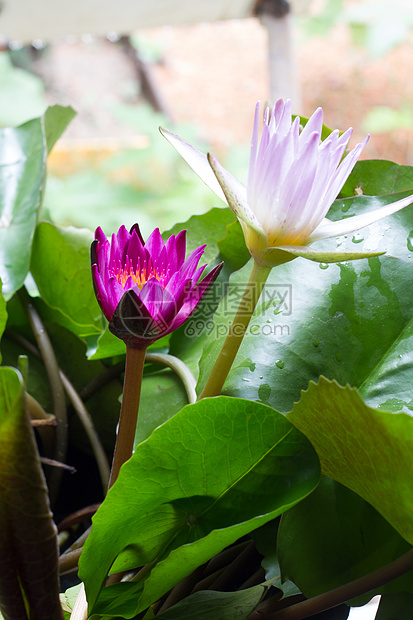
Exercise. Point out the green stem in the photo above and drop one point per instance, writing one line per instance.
(80, 409)
(219, 373)
(179, 368)
(135, 360)
(58, 395)
(87, 422)
(340, 595)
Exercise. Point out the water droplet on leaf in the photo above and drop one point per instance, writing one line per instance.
(323, 265)
(264, 392)
(279, 364)
(410, 241)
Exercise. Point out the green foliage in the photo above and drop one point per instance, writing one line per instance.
(211, 474)
(333, 537)
(395, 606)
(60, 265)
(27, 533)
(23, 152)
(369, 451)
(212, 605)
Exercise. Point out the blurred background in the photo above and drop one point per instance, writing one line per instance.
(199, 75)
(126, 69)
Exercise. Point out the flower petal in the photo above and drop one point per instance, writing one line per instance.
(272, 257)
(132, 323)
(236, 195)
(328, 229)
(194, 298)
(196, 159)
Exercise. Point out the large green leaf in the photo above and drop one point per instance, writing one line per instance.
(60, 265)
(376, 177)
(333, 537)
(369, 451)
(56, 119)
(23, 152)
(163, 395)
(208, 229)
(214, 472)
(350, 322)
(22, 173)
(27, 533)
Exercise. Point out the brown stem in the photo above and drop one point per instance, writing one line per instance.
(344, 593)
(135, 360)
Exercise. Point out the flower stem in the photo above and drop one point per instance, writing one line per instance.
(179, 368)
(135, 359)
(342, 594)
(56, 387)
(219, 373)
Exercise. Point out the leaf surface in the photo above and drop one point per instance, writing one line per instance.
(368, 450)
(212, 473)
(27, 532)
(60, 265)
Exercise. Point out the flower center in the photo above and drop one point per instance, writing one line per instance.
(140, 275)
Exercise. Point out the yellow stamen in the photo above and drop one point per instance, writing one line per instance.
(139, 275)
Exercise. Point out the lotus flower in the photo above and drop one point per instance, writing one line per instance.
(293, 178)
(146, 290)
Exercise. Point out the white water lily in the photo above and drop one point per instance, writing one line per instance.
(293, 178)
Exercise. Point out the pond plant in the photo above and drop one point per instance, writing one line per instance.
(263, 456)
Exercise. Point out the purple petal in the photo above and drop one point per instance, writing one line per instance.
(152, 295)
(314, 124)
(100, 235)
(154, 243)
(136, 252)
(343, 172)
(194, 298)
(135, 228)
(254, 146)
(118, 246)
(189, 267)
(174, 296)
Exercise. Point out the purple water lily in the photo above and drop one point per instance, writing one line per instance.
(146, 290)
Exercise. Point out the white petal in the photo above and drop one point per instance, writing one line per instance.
(343, 172)
(236, 195)
(329, 229)
(196, 159)
(314, 124)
